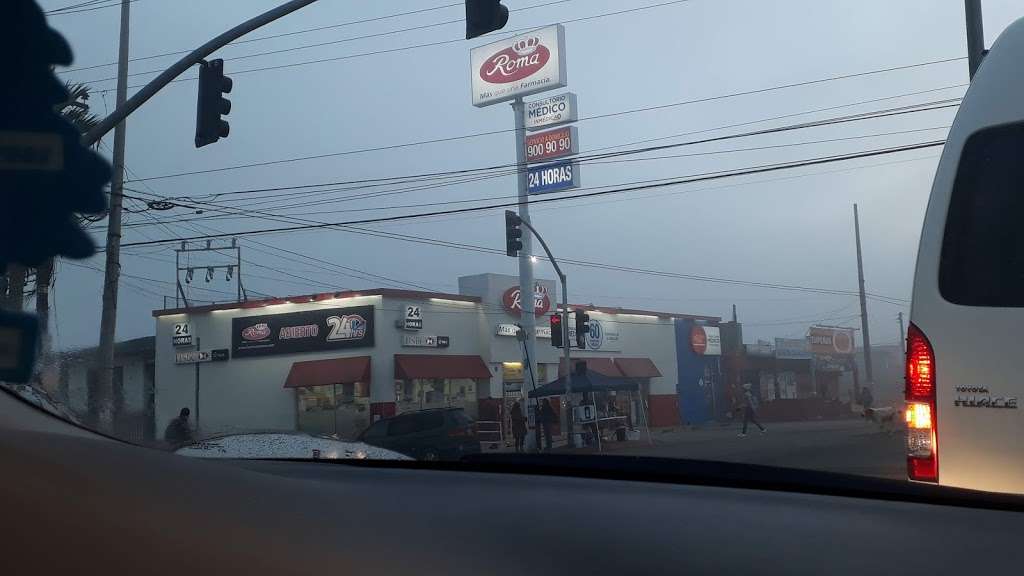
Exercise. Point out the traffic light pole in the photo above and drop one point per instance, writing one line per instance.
(196, 56)
(565, 331)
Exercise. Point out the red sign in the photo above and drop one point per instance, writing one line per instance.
(512, 301)
(830, 341)
(256, 331)
(552, 144)
(515, 62)
(698, 340)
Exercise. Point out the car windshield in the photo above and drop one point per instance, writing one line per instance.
(680, 229)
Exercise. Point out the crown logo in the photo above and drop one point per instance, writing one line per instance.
(526, 46)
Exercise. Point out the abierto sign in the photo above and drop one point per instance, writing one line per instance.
(560, 109)
(519, 66)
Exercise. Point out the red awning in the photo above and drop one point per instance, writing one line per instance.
(329, 371)
(602, 366)
(409, 366)
(637, 367)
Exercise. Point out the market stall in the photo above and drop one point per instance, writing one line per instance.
(599, 420)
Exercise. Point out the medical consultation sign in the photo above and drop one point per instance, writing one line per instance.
(519, 66)
(552, 111)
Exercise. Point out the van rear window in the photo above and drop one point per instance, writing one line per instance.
(982, 262)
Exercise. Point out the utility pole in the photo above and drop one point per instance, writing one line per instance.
(903, 333)
(975, 35)
(868, 372)
(112, 270)
(526, 282)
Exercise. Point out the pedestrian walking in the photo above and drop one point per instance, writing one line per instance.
(518, 426)
(178, 431)
(547, 419)
(750, 409)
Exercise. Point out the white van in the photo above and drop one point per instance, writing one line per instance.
(965, 344)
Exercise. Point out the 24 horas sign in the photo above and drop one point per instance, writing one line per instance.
(518, 66)
(307, 331)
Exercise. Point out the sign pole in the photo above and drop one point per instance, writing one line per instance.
(197, 388)
(526, 282)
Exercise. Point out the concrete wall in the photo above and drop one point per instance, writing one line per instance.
(134, 384)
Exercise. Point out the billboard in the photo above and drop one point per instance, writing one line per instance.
(557, 143)
(555, 177)
(827, 341)
(560, 109)
(306, 331)
(519, 66)
(706, 340)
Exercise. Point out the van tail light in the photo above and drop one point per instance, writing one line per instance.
(922, 446)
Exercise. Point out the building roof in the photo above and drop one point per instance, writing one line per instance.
(387, 292)
(637, 312)
(144, 346)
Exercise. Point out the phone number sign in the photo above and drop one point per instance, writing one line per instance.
(554, 177)
(557, 143)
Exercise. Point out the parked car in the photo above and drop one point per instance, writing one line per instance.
(437, 434)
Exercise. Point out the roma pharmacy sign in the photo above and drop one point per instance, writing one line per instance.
(512, 301)
(518, 66)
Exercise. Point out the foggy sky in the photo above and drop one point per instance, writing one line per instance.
(789, 227)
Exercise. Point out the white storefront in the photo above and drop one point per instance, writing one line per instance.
(334, 362)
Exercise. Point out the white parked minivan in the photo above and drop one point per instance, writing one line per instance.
(965, 343)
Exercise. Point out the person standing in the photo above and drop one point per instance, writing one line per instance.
(547, 419)
(518, 426)
(178, 431)
(749, 409)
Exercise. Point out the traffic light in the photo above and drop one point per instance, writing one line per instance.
(483, 16)
(513, 234)
(556, 330)
(582, 328)
(212, 104)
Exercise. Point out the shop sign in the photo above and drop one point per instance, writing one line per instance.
(706, 340)
(512, 301)
(557, 143)
(307, 331)
(828, 341)
(548, 178)
(425, 341)
(197, 356)
(792, 349)
(551, 111)
(513, 330)
(603, 335)
(413, 317)
(182, 335)
(519, 66)
(762, 348)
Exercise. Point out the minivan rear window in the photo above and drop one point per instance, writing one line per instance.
(982, 261)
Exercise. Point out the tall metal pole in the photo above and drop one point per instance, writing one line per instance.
(526, 283)
(198, 348)
(868, 372)
(112, 270)
(975, 35)
(903, 333)
(565, 330)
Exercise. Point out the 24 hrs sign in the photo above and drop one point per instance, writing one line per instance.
(182, 335)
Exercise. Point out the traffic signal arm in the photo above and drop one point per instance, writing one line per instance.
(483, 16)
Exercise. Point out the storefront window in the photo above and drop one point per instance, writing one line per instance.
(427, 393)
(337, 409)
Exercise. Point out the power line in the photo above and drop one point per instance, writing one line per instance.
(68, 9)
(314, 45)
(245, 212)
(713, 176)
(504, 131)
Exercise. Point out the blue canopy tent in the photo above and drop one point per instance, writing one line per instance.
(586, 382)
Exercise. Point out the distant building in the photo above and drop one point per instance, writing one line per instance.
(133, 386)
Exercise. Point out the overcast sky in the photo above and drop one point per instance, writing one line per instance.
(791, 227)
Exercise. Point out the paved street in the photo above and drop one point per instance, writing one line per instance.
(848, 446)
